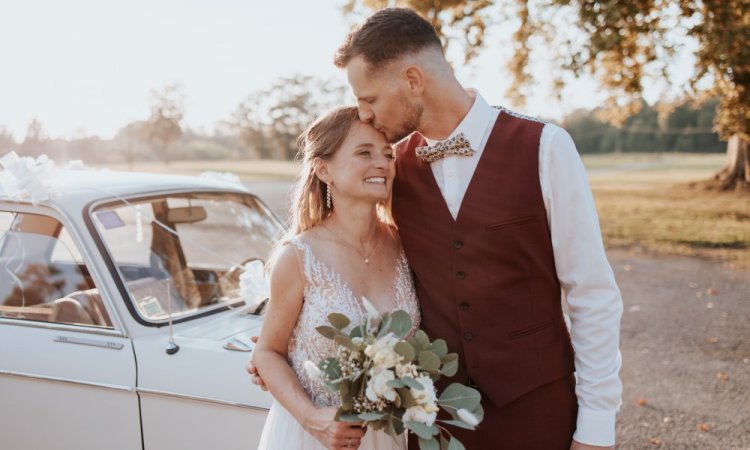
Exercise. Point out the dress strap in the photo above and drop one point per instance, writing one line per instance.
(304, 256)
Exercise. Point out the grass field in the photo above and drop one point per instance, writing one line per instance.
(644, 201)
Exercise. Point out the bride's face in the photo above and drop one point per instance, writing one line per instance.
(363, 168)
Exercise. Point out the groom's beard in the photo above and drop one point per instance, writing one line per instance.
(412, 118)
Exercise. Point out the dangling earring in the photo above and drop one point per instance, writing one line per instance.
(329, 204)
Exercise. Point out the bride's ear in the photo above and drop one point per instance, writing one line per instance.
(320, 169)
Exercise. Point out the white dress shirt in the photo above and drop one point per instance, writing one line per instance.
(589, 289)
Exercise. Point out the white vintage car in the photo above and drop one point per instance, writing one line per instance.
(122, 325)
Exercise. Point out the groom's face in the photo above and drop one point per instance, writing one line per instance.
(384, 100)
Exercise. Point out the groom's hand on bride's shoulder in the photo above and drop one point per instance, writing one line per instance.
(253, 371)
(575, 445)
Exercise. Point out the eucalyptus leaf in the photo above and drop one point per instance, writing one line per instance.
(450, 368)
(397, 383)
(349, 417)
(344, 341)
(428, 444)
(439, 347)
(421, 429)
(423, 342)
(455, 444)
(385, 327)
(406, 350)
(332, 369)
(459, 396)
(327, 331)
(407, 400)
(400, 323)
(412, 383)
(479, 412)
(429, 361)
(458, 423)
(372, 416)
(338, 320)
(356, 332)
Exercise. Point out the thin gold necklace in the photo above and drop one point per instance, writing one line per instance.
(367, 256)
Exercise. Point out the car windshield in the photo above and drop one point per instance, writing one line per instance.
(182, 254)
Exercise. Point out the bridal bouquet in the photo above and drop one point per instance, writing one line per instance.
(386, 380)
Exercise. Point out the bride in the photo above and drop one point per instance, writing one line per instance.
(342, 248)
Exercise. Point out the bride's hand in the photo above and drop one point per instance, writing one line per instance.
(332, 434)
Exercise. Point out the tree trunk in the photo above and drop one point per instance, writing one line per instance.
(736, 174)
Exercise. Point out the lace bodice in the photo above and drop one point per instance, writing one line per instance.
(325, 293)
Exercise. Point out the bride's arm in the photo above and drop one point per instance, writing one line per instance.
(270, 355)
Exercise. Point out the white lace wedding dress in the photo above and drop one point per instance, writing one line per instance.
(326, 292)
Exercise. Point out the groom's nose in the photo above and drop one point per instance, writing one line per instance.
(365, 114)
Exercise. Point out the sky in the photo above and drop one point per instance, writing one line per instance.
(87, 67)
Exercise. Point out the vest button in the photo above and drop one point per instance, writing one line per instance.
(468, 336)
(457, 244)
(463, 306)
(460, 275)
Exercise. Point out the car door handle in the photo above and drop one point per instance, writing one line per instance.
(92, 342)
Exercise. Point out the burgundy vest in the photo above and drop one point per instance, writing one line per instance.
(486, 281)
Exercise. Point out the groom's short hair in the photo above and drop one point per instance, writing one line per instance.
(386, 35)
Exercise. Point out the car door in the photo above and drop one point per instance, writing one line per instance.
(67, 369)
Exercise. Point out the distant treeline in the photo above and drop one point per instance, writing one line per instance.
(686, 128)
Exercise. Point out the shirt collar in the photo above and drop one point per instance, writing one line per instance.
(474, 124)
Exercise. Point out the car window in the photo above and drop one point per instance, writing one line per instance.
(181, 255)
(42, 276)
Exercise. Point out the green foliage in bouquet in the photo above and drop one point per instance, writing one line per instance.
(386, 380)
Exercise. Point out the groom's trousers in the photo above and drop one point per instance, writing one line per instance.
(543, 419)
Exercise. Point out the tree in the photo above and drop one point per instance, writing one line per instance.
(7, 142)
(36, 138)
(622, 44)
(273, 118)
(163, 127)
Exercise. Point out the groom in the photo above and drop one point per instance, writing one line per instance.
(497, 220)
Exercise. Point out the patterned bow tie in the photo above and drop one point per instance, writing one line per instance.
(457, 145)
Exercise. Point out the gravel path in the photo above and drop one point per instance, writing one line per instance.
(686, 353)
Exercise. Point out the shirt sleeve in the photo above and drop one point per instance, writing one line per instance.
(590, 292)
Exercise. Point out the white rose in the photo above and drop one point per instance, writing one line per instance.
(419, 414)
(425, 397)
(382, 353)
(377, 386)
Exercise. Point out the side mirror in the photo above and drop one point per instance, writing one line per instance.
(186, 214)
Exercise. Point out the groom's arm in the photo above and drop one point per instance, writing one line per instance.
(593, 299)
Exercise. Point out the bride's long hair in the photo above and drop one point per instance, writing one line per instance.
(321, 139)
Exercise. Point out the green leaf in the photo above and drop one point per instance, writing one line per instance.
(458, 423)
(439, 347)
(397, 383)
(412, 383)
(331, 368)
(455, 444)
(459, 396)
(407, 400)
(405, 349)
(429, 361)
(385, 326)
(428, 444)
(349, 417)
(356, 332)
(450, 368)
(479, 412)
(339, 321)
(371, 416)
(423, 342)
(421, 429)
(344, 341)
(400, 323)
(327, 331)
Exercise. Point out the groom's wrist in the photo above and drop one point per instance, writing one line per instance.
(595, 427)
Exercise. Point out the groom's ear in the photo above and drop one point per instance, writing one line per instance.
(415, 79)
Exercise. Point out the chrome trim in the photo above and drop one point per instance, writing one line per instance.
(63, 327)
(64, 380)
(200, 399)
(91, 342)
